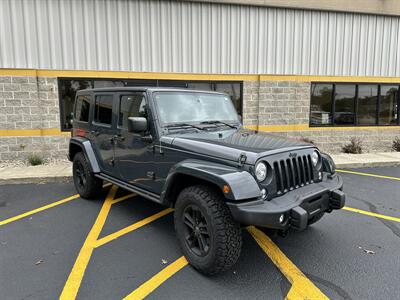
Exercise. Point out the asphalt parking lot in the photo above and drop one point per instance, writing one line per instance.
(120, 245)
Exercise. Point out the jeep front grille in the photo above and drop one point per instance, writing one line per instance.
(293, 173)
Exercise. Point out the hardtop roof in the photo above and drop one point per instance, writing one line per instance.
(145, 89)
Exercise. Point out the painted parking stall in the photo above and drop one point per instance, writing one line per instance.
(122, 246)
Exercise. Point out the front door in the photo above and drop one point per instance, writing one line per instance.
(103, 131)
(133, 151)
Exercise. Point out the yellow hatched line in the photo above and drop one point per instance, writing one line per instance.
(34, 211)
(123, 198)
(130, 228)
(74, 280)
(39, 209)
(302, 287)
(368, 213)
(149, 286)
(369, 175)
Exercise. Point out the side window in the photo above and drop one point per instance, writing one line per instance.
(133, 105)
(103, 109)
(82, 109)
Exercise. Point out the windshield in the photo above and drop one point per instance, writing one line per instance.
(189, 107)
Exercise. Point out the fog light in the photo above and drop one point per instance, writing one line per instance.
(263, 193)
(281, 218)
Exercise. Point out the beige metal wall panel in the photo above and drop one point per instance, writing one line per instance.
(192, 37)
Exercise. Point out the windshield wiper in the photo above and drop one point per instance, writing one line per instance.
(219, 122)
(180, 125)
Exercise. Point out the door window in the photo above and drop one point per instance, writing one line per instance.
(103, 109)
(133, 105)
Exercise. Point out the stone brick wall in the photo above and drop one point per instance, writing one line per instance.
(288, 103)
(30, 103)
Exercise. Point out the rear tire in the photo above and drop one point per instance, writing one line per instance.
(316, 218)
(87, 185)
(209, 237)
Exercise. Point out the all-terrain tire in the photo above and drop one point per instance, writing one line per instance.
(316, 218)
(87, 185)
(225, 239)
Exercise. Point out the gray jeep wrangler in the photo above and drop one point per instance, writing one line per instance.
(188, 150)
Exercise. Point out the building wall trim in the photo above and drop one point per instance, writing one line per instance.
(194, 76)
(266, 128)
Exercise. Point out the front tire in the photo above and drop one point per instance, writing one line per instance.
(87, 185)
(209, 237)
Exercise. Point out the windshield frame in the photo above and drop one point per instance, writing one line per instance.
(165, 124)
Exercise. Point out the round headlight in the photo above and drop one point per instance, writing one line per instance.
(315, 158)
(261, 171)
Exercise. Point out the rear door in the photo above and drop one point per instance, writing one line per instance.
(103, 130)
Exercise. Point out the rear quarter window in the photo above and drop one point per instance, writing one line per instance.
(82, 108)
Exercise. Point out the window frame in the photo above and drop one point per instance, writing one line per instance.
(356, 100)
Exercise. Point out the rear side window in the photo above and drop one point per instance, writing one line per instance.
(103, 109)
(82, 109)
(131, 106)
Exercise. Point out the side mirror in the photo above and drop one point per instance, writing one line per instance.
(137, 124)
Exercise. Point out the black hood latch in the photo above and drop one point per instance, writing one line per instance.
(242, 159)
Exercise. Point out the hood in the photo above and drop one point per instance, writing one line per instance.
(230, 144)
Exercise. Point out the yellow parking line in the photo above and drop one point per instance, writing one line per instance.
(75, 277)
(369, 174)
(302, 287)
(368, 213)
(132, 227)
(34, 211)
(149, 286)
(123, 198)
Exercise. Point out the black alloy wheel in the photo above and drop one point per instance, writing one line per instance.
(197, 235)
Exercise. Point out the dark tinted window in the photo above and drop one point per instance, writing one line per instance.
(82, 109)
(388, 105)
(367, 101)
(344, 104)
(131, 106)
(321, 104)
(103, 109)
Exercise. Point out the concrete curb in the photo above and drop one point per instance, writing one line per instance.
(36, 180)
(356, 165)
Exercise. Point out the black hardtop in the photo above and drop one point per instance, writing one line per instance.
(144, 89)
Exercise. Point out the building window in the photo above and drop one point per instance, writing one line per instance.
(367, 104)
(103, 109)
(389, 105)
(69, 86)
(345, 104)
(321, 104)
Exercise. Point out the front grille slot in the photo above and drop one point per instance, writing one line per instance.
(293, 173)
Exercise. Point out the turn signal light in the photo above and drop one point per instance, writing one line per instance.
(226, 189)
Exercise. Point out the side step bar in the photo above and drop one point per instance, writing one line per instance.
(146, 194)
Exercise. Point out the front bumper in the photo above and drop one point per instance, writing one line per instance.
(297, 206)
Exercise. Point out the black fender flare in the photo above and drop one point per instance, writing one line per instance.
(87, 149)
(242, 184)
